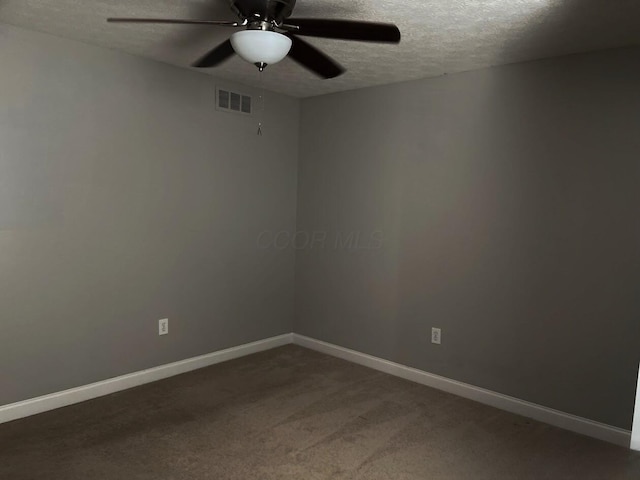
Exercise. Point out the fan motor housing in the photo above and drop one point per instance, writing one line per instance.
(260, 25)
(275, 11)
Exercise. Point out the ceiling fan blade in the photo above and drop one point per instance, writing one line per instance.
(173, 21)
(313, 59)
(216, 56)
(344, 29)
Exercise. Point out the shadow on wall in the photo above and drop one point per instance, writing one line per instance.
(518, 234)
(574, 161)
(563, 192)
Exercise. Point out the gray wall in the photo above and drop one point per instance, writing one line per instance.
(125, 197)
(508, 201)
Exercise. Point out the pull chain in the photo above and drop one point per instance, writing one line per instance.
(261, 101)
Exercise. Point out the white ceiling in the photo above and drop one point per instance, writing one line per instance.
(439, 36)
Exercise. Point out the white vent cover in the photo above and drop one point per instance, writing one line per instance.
(232, 101)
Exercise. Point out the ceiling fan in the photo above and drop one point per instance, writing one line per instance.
(269, 35)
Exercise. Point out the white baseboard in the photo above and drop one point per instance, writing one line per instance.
(635, 435)
(504, 402)
(557, 418)
(45, 403)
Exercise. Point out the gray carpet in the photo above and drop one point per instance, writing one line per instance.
(291, 413)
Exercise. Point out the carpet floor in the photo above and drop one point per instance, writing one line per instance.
(291, 413)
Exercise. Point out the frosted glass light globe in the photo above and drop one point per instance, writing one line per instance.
(261, 46)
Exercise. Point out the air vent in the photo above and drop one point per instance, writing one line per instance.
(233, 102)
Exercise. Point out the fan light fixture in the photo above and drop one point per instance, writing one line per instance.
(261, 47)
(268, 33)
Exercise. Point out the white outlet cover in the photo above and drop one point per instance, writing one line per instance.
(436, 336)
(163, 326)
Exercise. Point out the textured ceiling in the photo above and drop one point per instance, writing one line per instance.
(439, 36)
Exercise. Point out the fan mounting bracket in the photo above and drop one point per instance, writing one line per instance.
(274, 11)
(261, 25)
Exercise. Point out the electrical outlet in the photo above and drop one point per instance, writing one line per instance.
(436, 336)
(163, 326)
